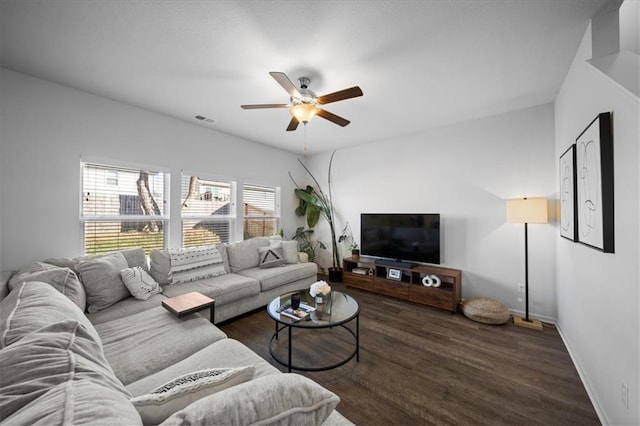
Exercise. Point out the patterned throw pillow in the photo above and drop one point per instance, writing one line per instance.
(139, 283)
(175, 395)
(271, 256)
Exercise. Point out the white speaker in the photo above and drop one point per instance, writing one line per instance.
(427, 281)
(436, 281)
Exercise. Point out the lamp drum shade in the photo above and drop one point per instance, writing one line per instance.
(527, 210)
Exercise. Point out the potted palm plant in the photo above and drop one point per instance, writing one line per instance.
(315, 203)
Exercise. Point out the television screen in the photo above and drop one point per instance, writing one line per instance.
(401, 236)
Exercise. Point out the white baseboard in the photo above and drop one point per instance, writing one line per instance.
(583, 377)
(542, 318)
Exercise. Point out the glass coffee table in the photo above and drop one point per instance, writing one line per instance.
(342, 310)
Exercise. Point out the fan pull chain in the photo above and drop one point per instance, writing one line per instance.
(304, 153)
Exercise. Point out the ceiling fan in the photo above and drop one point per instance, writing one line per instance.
(304, 103)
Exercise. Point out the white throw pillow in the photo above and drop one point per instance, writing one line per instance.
(276, 399)
(180, 392)
(140, 284)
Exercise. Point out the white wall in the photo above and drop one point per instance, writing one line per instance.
(598, 298)
(48, 127)
(465, 172)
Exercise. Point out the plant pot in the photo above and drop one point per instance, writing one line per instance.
(355, 253)
(335, 275)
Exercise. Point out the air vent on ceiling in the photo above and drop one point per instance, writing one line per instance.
(203, 118)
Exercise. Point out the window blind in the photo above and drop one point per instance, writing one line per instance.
(122, 208)
(261, 210)
(208, 211)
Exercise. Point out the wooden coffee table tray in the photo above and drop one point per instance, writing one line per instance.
(189, 303)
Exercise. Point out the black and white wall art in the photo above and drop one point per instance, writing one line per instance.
(594, 184)
(568, 194)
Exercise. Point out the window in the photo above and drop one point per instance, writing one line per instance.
(208, 211)
(261, 210)
(128, 211)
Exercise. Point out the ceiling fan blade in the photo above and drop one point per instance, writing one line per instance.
(332, 117)
(284, 81)
(293, 124)
(352, 92)
(259, 106)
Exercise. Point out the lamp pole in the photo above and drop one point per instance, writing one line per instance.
(526, 273)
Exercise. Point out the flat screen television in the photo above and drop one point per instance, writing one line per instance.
(412, 237)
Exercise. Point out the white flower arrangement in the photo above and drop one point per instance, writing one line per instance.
(319, 288)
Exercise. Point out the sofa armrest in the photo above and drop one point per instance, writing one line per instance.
(303, 257)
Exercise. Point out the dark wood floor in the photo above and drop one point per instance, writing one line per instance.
(423, 366)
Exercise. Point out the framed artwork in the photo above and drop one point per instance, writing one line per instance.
(594, 184)
(568, 194)
(394, 274)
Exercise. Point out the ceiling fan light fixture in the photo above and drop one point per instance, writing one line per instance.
(303, 112)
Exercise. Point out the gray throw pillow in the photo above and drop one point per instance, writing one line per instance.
(287, 399)
(64, 280)
(155, 406)
(102, 281)
(140, 284)
(134, 256)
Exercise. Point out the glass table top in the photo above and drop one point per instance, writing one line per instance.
(340, 308)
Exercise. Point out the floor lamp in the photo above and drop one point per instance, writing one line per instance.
(527, 210)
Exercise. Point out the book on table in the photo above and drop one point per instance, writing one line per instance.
(302, 312)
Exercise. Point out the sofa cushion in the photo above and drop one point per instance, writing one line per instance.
(289, 250)
(126, 307)
(33, 305)
(224, 353)
(62, 279)
(140, 284)
(244, 254)
(278, 399)
(224, 288)
(77, 402)
(146, 342)
(134, 257)
(101, 279)
(58, 353)
(155, 406)
(276, 277)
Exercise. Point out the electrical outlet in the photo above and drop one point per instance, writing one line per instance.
(520, 288)
(624, 394)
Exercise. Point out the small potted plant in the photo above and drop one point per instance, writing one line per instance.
(347, 237)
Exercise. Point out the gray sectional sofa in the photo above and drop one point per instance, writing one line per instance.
(63, 361)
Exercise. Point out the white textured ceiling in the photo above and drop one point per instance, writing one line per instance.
(420, 64)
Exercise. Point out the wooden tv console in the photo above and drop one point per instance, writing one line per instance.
(409, 287)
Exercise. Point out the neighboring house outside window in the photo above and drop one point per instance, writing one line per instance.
(122, 207)
(208, 211)
(261, 210)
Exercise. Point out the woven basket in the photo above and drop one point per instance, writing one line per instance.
(485, 310)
